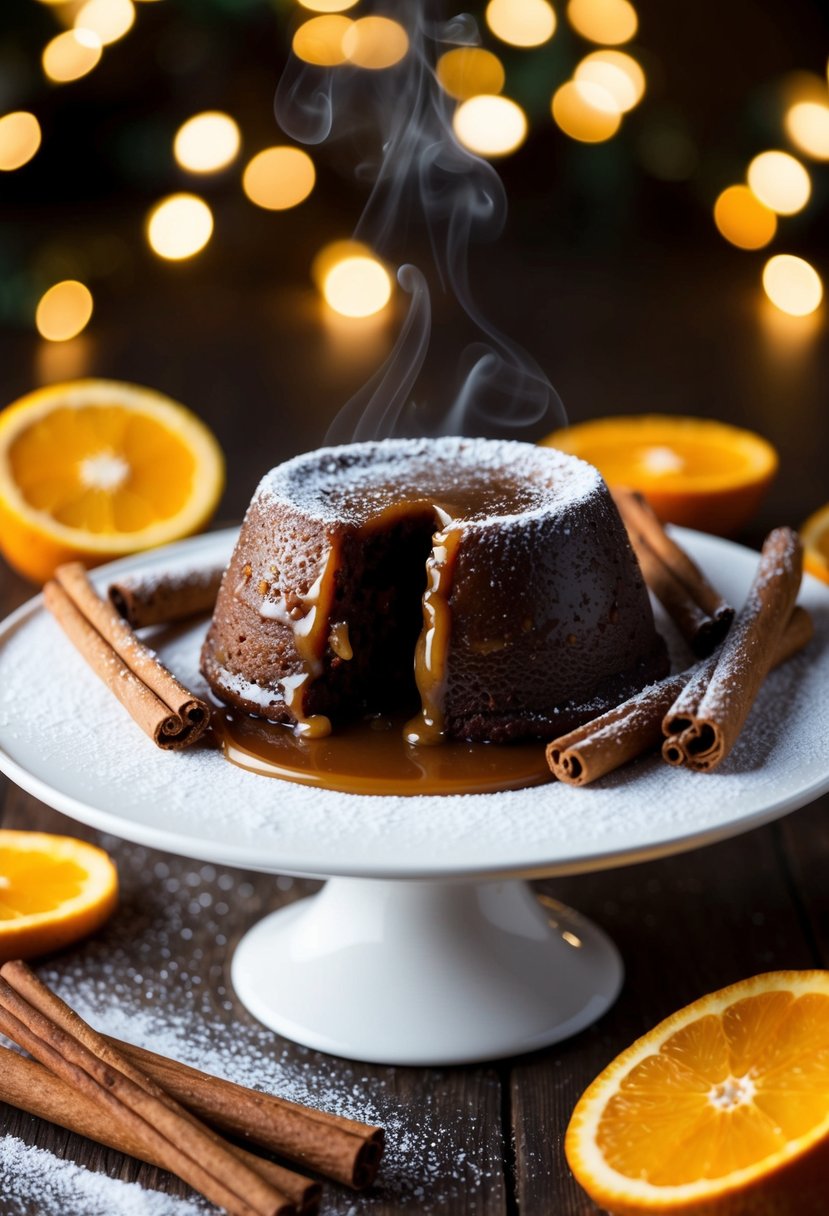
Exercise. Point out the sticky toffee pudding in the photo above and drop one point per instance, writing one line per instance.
(467, 590)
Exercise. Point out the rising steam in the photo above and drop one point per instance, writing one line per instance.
(422, 178)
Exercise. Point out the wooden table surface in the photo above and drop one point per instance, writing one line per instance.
(482, 1139)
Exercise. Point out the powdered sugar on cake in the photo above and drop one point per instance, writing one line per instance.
(311, 483)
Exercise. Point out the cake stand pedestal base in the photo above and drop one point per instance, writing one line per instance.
(426, 973)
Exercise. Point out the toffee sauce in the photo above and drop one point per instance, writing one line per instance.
(372, 757)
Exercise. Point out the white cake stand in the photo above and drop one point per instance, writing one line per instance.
(426, 946)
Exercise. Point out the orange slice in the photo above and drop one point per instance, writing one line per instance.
(815, 535)
(53, 890)
(722, 1104)
(694, 472)
(95, 469)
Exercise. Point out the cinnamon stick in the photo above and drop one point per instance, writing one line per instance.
(158, 599)
(704, 722)
(635, 727)
(39, 1022)
(164, 709)
(29, 1086)
(342, 1149)
(700, 613)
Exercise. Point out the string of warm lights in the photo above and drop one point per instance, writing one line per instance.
(590, 107)
(65, 308)
(779, 185)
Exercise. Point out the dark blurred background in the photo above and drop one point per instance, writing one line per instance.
(611, 272)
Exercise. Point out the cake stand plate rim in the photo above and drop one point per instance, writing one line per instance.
(281, 860)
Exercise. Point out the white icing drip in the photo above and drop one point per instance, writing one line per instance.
(276, 610)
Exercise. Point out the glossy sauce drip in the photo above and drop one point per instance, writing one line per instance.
(311, 632)
(372, 757)
(427, 727)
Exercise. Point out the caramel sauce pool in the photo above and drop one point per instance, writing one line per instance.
(373, 757)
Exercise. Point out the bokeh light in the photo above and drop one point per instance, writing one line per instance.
(63, 311)
(333, 252)
(743, 220)
(375, 43)
(179, 226)
(586, 111)
(608, 21)
(618, 73)
(19, 139)
(490, 126)
(467, 71)
(109, 19)
(71, 55)
(328, 6)
(807, 125)
(522, 23)
(278, 178)
(792, 284)
(207, 142)
(320, 40)
(780, 181)
(352, 281)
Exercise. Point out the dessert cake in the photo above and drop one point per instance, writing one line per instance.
(487, 586)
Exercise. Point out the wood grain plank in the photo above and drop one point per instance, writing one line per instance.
(163, 961)
(804, 839)
(685, 926)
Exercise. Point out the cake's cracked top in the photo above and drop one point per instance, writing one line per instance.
(484, 482)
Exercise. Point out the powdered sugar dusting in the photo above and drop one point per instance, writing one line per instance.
(145, 979)
(34, 1182)
(335, 485)
(80, 740)
(185, 578)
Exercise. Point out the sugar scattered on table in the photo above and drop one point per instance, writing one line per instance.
(35, 1182)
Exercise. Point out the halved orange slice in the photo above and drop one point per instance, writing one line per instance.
(53, 890)
(694, 472)
(815, 536)
(95, 469)
(721, 1109)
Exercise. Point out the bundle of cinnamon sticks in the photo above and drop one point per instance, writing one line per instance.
(159, 1110)
(696, 715)
(164, 709)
